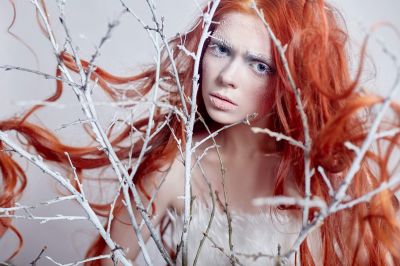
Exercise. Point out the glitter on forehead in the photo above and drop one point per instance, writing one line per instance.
(226, 23)
(245, 35)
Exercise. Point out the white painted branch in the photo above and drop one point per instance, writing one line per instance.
(368, 196)
(283, 200)
(326, 180)
(142, 244)
(215, 133)
(153, 197)
(76, 178)
(45, 203)
(152, 110)
(352, 147)
(37, 72)
(120, 171)
(371, 136)
(189, 132)
(354, 168)
(387, 133)
(159, 29)
(44, 219)
(279, 136)
(38, 161)
(187, 52)
(79, 262)
(307, 139)
(112, 207)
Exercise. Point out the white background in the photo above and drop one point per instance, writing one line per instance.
(128, 49)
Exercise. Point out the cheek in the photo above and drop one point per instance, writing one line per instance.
(210, 67)
(210, 70)
(206, 79)
(206, 64)
(205, 72)
(264, 99)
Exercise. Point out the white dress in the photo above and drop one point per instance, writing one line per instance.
(252, 233)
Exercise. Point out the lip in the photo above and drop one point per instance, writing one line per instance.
(222, 102)
(222, 97)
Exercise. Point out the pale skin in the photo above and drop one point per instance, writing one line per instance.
(237, 64)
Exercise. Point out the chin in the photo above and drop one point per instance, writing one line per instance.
(223, 118)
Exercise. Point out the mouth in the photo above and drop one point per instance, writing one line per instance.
(222, 102)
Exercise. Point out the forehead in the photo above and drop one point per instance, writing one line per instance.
(243, 31)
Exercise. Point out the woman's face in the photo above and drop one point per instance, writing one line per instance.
(236, 67)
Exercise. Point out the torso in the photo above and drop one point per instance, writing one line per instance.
(252, 233)
(246, 177)
(243, 179)
(255, 229)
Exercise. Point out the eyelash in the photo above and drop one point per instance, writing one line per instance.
(216, 50)
(266, 67)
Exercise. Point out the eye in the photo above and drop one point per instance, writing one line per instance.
(261, 68)
(218, 50)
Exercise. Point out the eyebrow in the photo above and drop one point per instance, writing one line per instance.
(248, 54)
(221, 40)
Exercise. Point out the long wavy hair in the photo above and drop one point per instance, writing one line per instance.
(317, 56)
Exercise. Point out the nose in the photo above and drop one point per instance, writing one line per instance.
(229, 74)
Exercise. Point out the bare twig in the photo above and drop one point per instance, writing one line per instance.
(387, 133)
(76, 178)
(92, 217)
(225, 205)
(296, 91)
(45, 203)
(37, 72)
(232, 258)
(189, 132)
(142, 244)
(84, 97)
(278, 136)
(255, 256)
(44, 219)
(212, 215)
(112, 207)
(151, 115)
(326, 180)
(160, 30)
(215, 133)
(154, 195)
(368, 196)
(81, 261)
(283, 200)
(33, 263)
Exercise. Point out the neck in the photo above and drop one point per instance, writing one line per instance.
(239, 140)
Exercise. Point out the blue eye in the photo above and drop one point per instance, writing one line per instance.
(260, 68)
(219, 50)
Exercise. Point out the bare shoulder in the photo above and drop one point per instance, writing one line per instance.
(168, 184)
(163, 186)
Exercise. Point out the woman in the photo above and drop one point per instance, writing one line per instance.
(243, 78)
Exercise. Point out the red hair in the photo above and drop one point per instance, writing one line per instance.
(316, 53)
